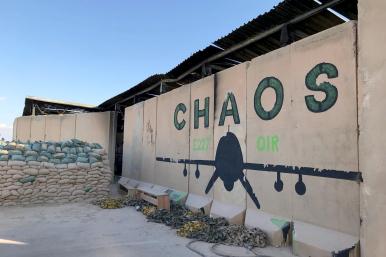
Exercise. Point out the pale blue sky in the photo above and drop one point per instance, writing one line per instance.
(90, 50)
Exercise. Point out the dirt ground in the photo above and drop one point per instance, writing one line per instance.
(84, 230)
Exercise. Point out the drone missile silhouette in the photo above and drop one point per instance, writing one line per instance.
(229, 166)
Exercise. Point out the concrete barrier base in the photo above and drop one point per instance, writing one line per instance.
(233, 213)
(310, 240)
(198, 203)
(276, 228)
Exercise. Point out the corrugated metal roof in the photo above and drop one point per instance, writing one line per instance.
(48, 106)
(278, 15)
(133, 91)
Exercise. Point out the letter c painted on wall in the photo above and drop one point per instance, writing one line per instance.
(179, 125)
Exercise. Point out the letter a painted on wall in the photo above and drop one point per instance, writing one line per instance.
(229, 112)
(330, 90)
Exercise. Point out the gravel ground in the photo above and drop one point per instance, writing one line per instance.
(84, 230)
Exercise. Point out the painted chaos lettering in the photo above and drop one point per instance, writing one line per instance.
(230, 110)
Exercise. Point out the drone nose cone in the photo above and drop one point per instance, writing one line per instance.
(228, 186)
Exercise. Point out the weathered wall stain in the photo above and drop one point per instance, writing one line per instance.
(149, 134)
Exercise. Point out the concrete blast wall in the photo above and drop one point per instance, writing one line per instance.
(276, 136)
(90, 127)
(372, 137)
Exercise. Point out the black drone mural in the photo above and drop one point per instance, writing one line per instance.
(229, 166)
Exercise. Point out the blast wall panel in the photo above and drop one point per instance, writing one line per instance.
(201, 135)
(230, 117)
(149, 132)
(173, 110)
(132, 141)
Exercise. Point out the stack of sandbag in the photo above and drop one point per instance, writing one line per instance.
(51, 172)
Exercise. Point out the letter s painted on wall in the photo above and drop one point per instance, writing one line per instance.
(329, 89)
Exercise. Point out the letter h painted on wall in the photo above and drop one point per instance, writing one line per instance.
(201, 113)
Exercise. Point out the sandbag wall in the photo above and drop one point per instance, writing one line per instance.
(48, 172)
(91, 127)
(276, 136)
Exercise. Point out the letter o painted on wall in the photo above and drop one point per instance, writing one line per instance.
(276, 85)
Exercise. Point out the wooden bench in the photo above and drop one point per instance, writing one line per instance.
(130, 185)
(153, 194)
(161, 200)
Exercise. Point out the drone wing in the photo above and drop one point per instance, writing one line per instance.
(244, 181)
(211, 181)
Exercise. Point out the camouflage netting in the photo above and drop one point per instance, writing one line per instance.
(52, 172)
(193, 225)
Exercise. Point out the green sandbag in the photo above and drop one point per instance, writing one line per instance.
(51, 149)
(66, 144)
(93, 160)
(46, 154)
(27, 179)
(31, 153)
(17, 158)
(66, 160)
(177, 197)
(82, 155)
(72, 156)
(77, 141)
(15, 152)
(31, 158)
(82, 159)
(95, 155)
(59, 155)
(42, 158)
(73, 150)
(96, 146)
(87, 149)
(44, 147)
(66, 149)
(87, 189)
(36, 147)
(55, 161)
(4, 157)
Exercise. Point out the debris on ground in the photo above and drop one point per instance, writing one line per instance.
(239, 235)
(148, 210)
(109, 203)
(193, 225)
